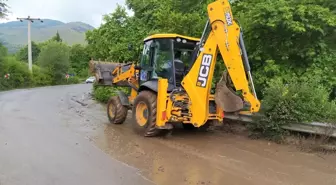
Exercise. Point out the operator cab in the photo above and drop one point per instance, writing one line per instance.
(159, 52)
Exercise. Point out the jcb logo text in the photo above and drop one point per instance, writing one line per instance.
(228, 18)
(203, 74)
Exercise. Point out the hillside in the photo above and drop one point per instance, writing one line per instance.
(14, 34)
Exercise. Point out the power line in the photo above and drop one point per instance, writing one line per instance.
(29, 20)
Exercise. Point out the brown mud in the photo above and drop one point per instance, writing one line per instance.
(193, 157)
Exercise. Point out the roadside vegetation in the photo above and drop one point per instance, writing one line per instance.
(103, 94)
(52, 61)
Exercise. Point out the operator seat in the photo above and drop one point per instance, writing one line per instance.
(179, 71)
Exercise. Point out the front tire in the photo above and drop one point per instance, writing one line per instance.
(144, 114)
(116, 112)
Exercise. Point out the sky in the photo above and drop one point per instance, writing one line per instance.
(87, 11)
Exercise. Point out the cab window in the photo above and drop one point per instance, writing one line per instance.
(163, 59)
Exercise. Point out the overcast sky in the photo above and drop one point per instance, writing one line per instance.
(88, 11)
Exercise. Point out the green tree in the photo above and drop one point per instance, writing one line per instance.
(79, 58)
(111, 40)
(174, 16)
(22, 54)
(3, 54)
(3, 9)
(3, 51)
(54, 58)
(57, 37)
(287, 38)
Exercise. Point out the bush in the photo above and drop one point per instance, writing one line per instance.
(79, 58)
(84, 73)
(72, 80)
(22, 54)
(40, 77)
(54, 58)
(3, 54)
(20, 76)
(300, 101)
(103, 93)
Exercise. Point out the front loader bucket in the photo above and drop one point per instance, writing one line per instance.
(103, 72)
(226, 98)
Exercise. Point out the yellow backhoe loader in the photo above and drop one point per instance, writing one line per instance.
(173, 81)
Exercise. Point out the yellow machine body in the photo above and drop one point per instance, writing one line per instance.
(194, 92)
(197, 83)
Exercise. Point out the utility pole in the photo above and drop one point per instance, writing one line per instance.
(30, 20)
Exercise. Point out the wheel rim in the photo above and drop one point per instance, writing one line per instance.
(142, 114)
(111, 111)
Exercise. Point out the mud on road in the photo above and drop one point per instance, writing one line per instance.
(187, 157)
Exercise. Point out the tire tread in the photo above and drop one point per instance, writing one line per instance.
(120, 111)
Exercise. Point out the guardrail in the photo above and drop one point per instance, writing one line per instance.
(325, 129)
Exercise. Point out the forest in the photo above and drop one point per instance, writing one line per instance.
(291, 46)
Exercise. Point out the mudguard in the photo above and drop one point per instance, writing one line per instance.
(123, 98)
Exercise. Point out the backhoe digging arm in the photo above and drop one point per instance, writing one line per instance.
(224, 36)
(231, 46)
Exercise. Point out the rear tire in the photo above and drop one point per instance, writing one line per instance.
(144, 114)
(116, 112)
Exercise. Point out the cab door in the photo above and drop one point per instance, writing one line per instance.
(146, 67)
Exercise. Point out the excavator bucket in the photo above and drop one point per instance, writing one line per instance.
(226, 97)
(103, 72)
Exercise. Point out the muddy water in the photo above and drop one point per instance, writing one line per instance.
(198, 158)
(215, 159)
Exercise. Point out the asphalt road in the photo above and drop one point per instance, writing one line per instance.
(58, 135)
(36, 148)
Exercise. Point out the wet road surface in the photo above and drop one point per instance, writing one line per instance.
(57, 135)
(36, 148)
